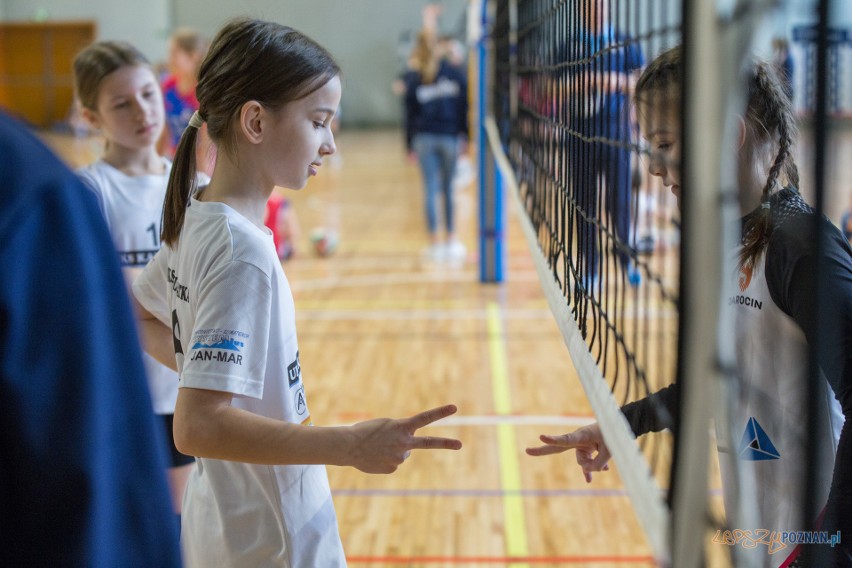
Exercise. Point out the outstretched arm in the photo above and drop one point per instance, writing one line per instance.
(206, 425)
(650, 414)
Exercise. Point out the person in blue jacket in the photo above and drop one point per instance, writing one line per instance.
(82, 460)
(436, 122)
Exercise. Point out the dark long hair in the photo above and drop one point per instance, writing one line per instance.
(769, 122)
(248, 60)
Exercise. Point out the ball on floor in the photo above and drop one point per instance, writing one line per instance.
(324, 241)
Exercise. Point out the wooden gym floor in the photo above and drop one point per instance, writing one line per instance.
(384, 332)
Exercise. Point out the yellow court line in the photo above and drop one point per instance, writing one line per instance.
(514, 524)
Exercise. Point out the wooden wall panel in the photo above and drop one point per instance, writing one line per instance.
(36, 82)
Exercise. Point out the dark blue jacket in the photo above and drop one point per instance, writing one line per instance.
(82, 459)
(439, 107)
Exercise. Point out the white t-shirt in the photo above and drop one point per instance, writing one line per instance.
(133, 209)
(224, 294)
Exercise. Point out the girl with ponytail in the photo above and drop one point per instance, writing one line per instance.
(217, 295)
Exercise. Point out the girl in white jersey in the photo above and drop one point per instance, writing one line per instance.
(772, 295)
(260, 494)
(120, 96)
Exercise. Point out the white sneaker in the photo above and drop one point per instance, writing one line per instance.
(456, 250)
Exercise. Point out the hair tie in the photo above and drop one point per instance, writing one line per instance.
(196, 121)
(766, 205)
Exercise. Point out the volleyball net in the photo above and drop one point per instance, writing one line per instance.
(603, 234)
(638, 299)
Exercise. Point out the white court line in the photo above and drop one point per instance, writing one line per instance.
(465, 276)
(517, 420)
(424, 313)
(427, 313)
(510, 419)
(358, 260)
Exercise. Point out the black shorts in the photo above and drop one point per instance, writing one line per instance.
(176, 459)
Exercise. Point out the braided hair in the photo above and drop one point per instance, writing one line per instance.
(770, 123)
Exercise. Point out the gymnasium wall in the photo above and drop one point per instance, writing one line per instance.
(145, 24)
(364, 35)
(367, 36)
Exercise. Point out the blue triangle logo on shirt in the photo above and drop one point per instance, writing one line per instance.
(756, 445)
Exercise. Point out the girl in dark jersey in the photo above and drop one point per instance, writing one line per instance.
(775, 308)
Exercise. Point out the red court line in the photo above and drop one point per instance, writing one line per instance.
(501, 559)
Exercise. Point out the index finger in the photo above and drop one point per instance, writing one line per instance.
(425, 418)
(564, 441)
(547, 450)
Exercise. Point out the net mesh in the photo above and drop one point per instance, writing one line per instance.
(607, 231)
(606, 238)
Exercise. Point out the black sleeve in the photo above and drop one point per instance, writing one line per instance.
(653, 413)
(791, 272)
